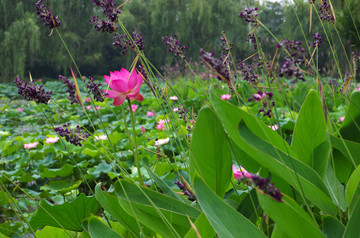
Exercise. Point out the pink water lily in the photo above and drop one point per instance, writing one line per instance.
(20, 109)
(124, 86)
(88, 99)
(342, 118)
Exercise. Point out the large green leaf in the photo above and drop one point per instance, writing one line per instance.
(209, 152)
(54, 232)
(309, 140)
(226, 221)
(352, 192)
(67, 216)
(336, 189)
(290, 217)
(202, 226)
(332, 227)
(110, 203)
(97, 229)
(64, 171)
(268, 149)
(349, 149)
(351, 126)
(163, 214)
(163, 186)
(352, 228)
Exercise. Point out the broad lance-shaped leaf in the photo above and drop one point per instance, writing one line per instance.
(227, 222)
(209, 152)
(110, 203)
(350, 129)
(309, 140)
(268, 149)
(352, 228)
(68, 215)
(97, 229)
(290, 217)
(332, 227)
(349, 149)
(336, 189)
(163, 214)
(352, 192)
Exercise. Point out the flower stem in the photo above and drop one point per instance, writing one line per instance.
(135, 151)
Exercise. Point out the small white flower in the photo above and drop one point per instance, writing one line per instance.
(102, 137)
(162, 141)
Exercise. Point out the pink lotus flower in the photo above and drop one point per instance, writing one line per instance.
(161, 125)
(30, 145)
(143, 130)
(274, 127)
(20, 109)
(88, 107)
(342, 118)
(98, 108)
(124, 86)
(51, 140)
(133, 108)
(88, 99)
(83, 77)
(225, 97)
(175, 109)
(173, 98)
(240, 173)
(40, 80)
(150, 114)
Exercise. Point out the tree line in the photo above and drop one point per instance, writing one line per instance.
(27, 46)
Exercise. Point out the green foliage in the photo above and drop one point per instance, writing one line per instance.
(66, 216)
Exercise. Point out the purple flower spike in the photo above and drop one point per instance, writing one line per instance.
(174, 45)
(317, 40)
(47, 17)
(185, 190)
(249, 15)
(32, 92)
(74, 137)
(325, 12)
(70, 89)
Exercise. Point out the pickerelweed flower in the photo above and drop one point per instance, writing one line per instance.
(32, 92)
(124, 42)
(247, 73)
(70, 89)
(317, 40)
(125, 86)
(252, 40)
(249, 15)
(47, 17)
(174, 45)
(102, 25)
(222, 68)
(30, 145)
(51, 140)
(257, 181)
(325, 11)
(109, 9)
(94, 88)
(185, 190)
(72, 136)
